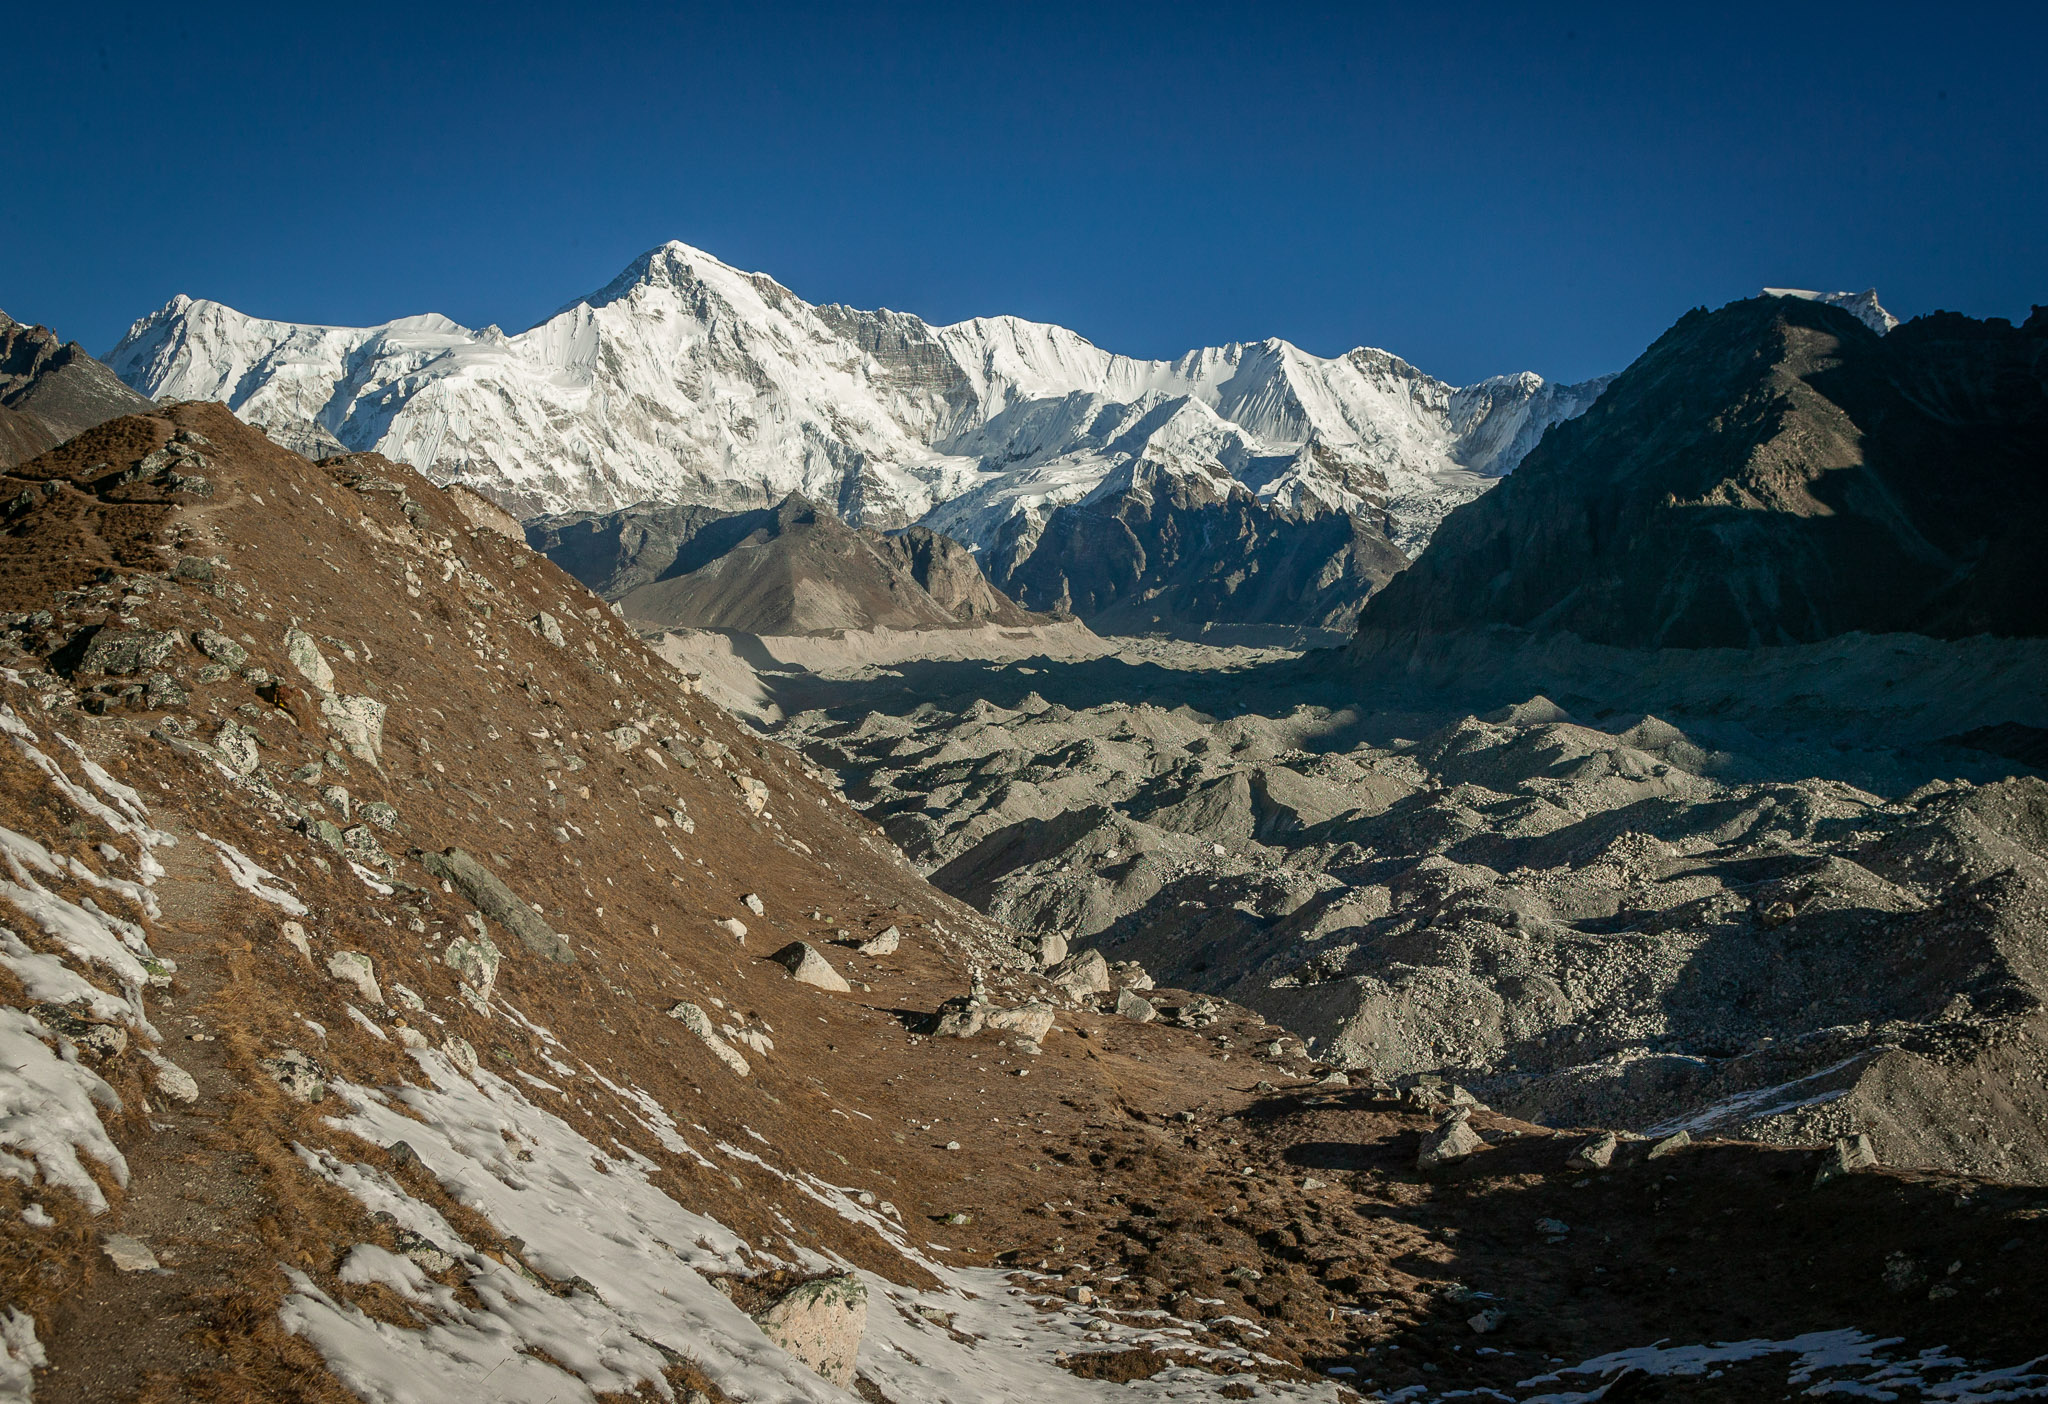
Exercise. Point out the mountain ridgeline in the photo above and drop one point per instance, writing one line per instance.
(1771, 473)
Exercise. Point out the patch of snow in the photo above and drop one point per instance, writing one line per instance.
(252, 877)
(47, 1112)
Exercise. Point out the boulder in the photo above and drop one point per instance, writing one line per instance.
(297, 1074)
(960, 1017)
(1452, 1140)
(821, 1323)
(1849, 1153)
(305, 655)
(806, 965)
(119, 652)
(752, 902)
(1134, 1006)
(355, 968)
(1670, 1145)
(1596, 1154)
(694, 1019)
(220, 648)
(1081, 975)
(489, 894)
(1029, 1021)
(883, 944)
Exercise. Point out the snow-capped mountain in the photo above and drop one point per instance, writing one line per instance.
(686, 380)
(1863, 306)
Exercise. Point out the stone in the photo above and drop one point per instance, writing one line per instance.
(336, 798)
(360, 843)
(161, 692)
(753, 793)
(1129, 975)
(475, 958)
(624, 738)
(117, 651)
(237, 749)
(94, 1039)
(821, 1323)
(171, 1080)
(195, 568)
(1452, 1140)
(1596, 1153)
(1031, 1022)
(959, 1017)
(1081, 975)
(297, 1074)
(359, 722)
(1553, 1229)
(427, 1255)
(1334, 1078)
(1134, 1006)
(1485, 1323)
(752, 902)
(295, 936)
(807, 966)
(355, 968)
(460, 1052)
(1080, 1294)
(305, 655)
(379, 813)
(489, 894)
(549, 628)
(699, 1023)
(881, 944)
(129, 1254)
(1848, 1154)
(733, 927)
(1670, 1145)
(1052, 949)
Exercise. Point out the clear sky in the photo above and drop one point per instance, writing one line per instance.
(1477, 188)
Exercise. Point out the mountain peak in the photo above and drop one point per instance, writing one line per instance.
(1863, 306)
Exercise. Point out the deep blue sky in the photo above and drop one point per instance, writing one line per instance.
(1477, 190)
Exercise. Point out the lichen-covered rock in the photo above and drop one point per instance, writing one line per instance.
(489, 894)
(821, 1323)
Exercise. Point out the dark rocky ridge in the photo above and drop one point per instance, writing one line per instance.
(1770, 473)
(791, 569)
(1177, 552)
(51, 390)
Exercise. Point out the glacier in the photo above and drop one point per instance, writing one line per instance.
(685, 380)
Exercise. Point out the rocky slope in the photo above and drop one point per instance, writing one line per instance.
(792, 569)
(412, 992)
(1159, 550)
(687, 381)
(1580, 923)
(51, 390)
(1772, 473)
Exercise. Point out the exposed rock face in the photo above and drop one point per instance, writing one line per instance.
(1775, 472)
(793, 569)
(1178, 551)
(51, 390)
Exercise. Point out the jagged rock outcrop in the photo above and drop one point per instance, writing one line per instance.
(1166, 549)
(792, 569)
(1775, 472)
(51, 390)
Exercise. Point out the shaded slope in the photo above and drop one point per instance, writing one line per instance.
(797, 569)
(52, 390)
(1771, 473)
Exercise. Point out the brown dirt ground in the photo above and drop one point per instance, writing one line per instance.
(1083, 1167)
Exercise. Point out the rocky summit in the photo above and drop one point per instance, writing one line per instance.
(419, 987)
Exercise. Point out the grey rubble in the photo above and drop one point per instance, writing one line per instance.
(1587, 926)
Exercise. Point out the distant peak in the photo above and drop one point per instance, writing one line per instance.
(1863, 306)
